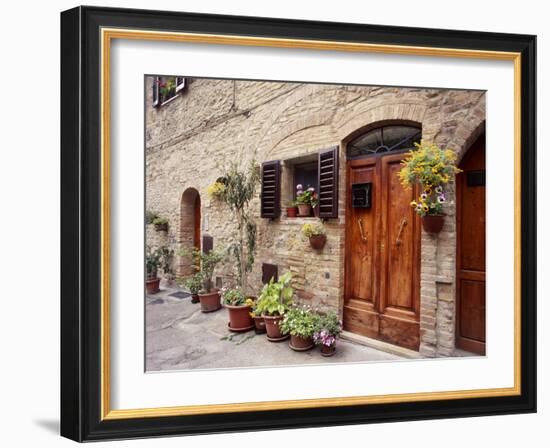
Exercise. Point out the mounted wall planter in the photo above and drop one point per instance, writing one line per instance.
(433, 223)
(317, 242)
(210, 302)
(161, 227)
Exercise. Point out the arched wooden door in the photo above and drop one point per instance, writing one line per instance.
(190, 229)
(382, 269)
(470, 291)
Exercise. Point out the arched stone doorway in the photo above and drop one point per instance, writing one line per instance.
(190, 228)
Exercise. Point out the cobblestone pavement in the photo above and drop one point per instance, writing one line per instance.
(179, 336)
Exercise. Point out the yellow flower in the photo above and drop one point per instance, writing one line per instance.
(414, 204)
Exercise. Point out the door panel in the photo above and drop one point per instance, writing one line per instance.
(382, 294)
(470, 192)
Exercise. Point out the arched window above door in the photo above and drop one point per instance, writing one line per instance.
(383, 139)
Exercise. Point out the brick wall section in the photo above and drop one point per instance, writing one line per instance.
(216, 121)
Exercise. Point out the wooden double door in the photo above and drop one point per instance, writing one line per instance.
(382, 269)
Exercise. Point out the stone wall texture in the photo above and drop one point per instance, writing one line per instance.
(215, 121)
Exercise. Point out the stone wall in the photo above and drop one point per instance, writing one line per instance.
(215, 121)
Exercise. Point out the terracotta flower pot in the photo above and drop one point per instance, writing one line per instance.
(239, 318)
(318, 241)
(433, 223)
(300, 344)
(195, 298)
(273, 329)
(259, 324)
(210, 301)
(152, 285)
(291, 212)
(304, 210)
(328, 350)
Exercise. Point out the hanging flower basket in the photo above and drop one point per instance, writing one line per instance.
(433, 223)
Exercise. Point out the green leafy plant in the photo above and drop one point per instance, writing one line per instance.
(152, 262)
(299, 321)
(276, 297)
(309, 230)
(205, 263)
(239, 189)
(158, 221)
(193, 283)
(234, 297)
(166, 257)
(433, 168)
(150, 216)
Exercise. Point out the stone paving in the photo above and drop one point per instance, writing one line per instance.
(179, 336)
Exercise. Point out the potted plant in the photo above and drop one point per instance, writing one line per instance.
(161, 224)
(300, 323)
(259, 322)
(239, 188)
(304, 200)
(327, 329)
(152, 262)
(274, 301)
(291, 209)
(433, 169)
(216, 190)
(239, 309)
(316, 235)
(194, 285)
(209, 296)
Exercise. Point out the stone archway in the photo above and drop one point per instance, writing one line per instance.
(189, 231)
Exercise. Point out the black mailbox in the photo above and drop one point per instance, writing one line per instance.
(360, 195)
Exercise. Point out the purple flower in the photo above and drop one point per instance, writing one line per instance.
(299, 187)
(441, 198)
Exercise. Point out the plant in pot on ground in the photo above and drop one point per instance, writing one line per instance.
(433, 169)
(327, 329)
(239, 308)
(194, 285)
(152, 263)
(205, 263)
(304, 200)
(300, 323)
(239, 189)
(316, 235)
(273, 302)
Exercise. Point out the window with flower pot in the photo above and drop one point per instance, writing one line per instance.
(166, 88)
(314, 175)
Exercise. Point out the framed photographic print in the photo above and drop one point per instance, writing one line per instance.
(272, 223)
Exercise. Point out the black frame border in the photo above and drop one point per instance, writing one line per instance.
(81, 223)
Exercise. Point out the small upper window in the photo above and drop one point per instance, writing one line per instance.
(166, 87)
(384, 139)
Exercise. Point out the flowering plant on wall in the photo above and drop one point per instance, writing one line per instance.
(216, 190)
(305, 197)
(433, 168)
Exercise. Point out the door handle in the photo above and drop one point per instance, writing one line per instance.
(360, 223)
(401, 227)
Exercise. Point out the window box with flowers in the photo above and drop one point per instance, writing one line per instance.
(433, 169)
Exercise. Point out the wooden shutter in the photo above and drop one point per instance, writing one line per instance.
(328, 183)
(271, 189)
(156, 91)
(180, 83)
